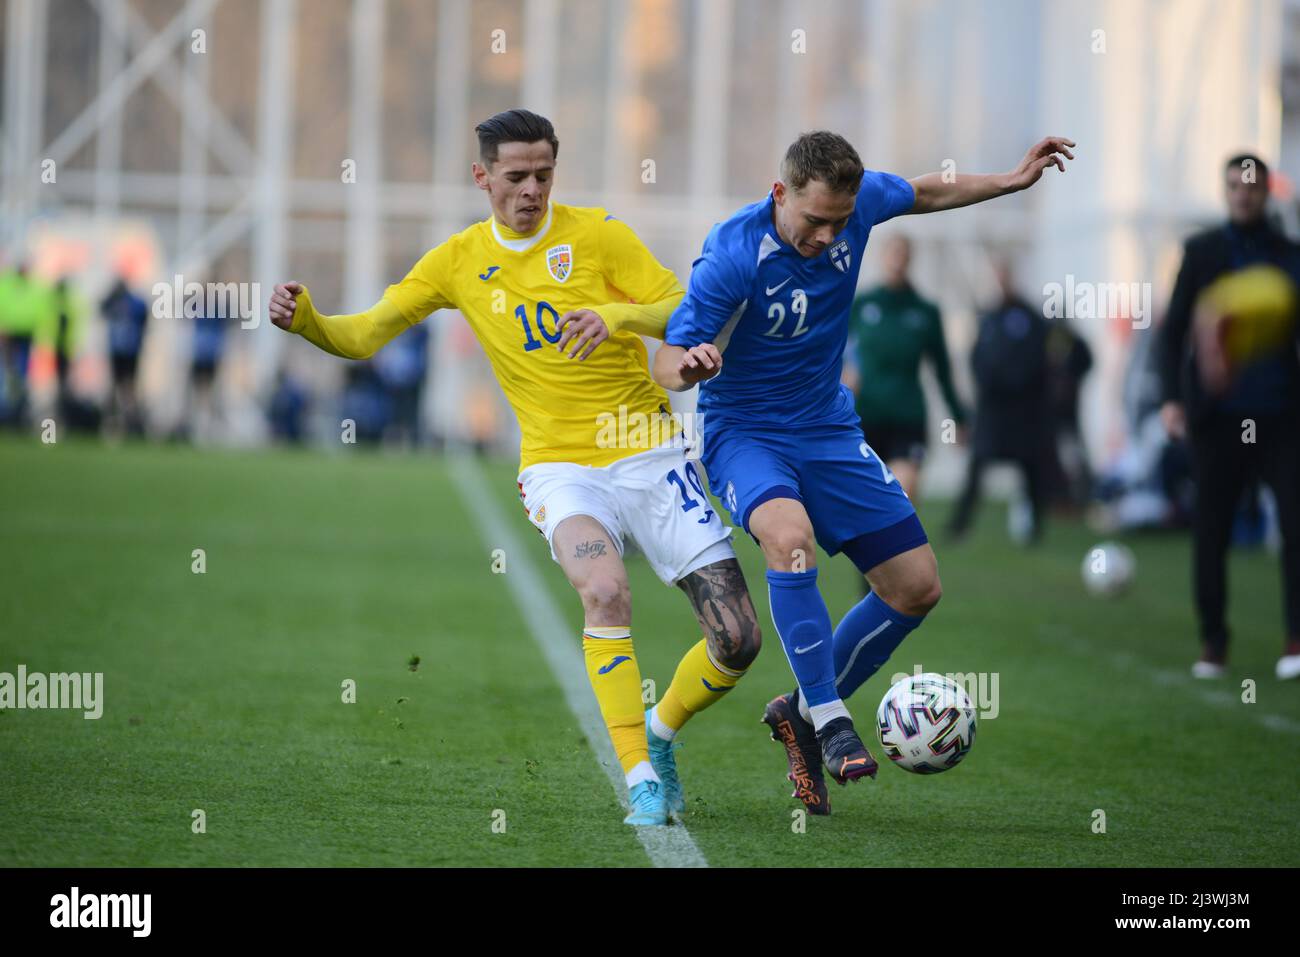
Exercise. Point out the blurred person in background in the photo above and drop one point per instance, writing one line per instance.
(366, 403)
(891, 330)
(288, 408)
(403, 367)
(1147, 485)
(126, 315)
(8, 281)
(202, 411)
(1069, 478)
(1231, 386)
(63, 334)
(1012, 418)
(26, 305)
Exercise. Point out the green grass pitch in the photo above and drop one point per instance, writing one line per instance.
(223, 690)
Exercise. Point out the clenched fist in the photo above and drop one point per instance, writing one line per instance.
(699, 363)
(284, 301)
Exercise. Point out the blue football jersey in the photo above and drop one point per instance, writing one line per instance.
(780, 319)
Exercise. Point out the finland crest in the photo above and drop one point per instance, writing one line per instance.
(841, 258)
(559, 262)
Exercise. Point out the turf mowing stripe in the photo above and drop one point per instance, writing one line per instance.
(666, 846)
(1127, 663)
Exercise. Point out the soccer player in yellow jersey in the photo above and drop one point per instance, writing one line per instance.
(558, 296)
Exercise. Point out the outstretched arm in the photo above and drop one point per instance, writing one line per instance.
(362, 334)
(356, 336)
(934, 192)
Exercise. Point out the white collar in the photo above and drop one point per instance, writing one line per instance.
(527, 242)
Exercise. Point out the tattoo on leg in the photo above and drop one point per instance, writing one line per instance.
(592, 549)
(722, 605)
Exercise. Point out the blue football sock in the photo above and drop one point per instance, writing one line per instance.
(804, 627)
(865, 639)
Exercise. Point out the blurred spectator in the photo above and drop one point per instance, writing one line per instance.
(366, 402)
(26, 305)
(1148, 485)
(1012, 419)
(63, 335)
(1238, 407)
(1069, 478)
(403, 365)
(202, 411)
(891, 330)
(126, 315)
(288, 408)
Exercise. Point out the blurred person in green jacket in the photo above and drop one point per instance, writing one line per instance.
(891, 329)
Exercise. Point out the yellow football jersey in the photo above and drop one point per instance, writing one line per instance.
(513, 290)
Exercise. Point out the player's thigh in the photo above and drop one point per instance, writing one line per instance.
(591, 560)
(850, 492)
(576, 510)
(663, 506)
(746, 470)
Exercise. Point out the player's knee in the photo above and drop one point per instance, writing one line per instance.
(790, 548)
(737, 648)
(606, 597)
(920, 595)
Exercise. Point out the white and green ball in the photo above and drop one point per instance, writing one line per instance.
(1108, 569)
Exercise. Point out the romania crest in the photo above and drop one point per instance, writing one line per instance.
(559, 262)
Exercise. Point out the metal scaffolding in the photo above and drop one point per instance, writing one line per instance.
(1178, 86)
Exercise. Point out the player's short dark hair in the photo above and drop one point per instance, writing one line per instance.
(823, 156)
(1239, 162)
(513, 126)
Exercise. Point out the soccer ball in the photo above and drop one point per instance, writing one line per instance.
(1108, 569)
(926, 723)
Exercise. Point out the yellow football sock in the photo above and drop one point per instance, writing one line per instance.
(698, 682)
(616, 679)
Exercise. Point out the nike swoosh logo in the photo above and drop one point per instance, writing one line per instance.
(776, 289)
(800, 651)
(706, 684)
(613, 664)
(488, 275)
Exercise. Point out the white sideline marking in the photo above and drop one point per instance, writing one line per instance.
(667, 846)
(1205, 690)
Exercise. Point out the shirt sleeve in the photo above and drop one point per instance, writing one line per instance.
(882, 196)
(1178, 320)
(652, 288)
(715, 292)
(937, 347)
(354, 336)
(427, 287)
(360, 335)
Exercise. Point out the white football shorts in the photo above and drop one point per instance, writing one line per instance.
(656, 497)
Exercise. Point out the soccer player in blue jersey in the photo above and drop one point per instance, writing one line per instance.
(782, 445)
